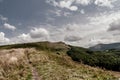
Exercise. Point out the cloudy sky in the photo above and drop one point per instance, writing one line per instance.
(78, 22)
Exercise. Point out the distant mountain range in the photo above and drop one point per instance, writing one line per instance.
(100, 47)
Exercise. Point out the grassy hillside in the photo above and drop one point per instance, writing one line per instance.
(46, 61)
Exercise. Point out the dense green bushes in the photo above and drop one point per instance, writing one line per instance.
(104, 59)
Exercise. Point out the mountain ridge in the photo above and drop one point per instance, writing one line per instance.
(102, 47)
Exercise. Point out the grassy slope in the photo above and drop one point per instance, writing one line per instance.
(51, 62)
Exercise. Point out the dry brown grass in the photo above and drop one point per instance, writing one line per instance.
(13, 65)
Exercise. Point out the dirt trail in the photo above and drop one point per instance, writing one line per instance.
(35, 75)
(34, 72)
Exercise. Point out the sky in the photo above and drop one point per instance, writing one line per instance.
(82, 23)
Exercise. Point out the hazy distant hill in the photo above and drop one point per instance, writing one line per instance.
(50, 61)
(106, 46)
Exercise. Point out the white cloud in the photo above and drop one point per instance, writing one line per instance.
(102, 3)
(68, 5)
(71, 27)
(82, 11)
(73, 4)
(3, 18)
(102, 24)
(52, 2)
(73, 8)
(83, 2)
(59, 13)
(101, 41)
(92, 33)
(3, 39)
(24, 37)
(106, 3)
(65, 4)
(39, 33)
(105, 18)
(34, 35)
(8, 26)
